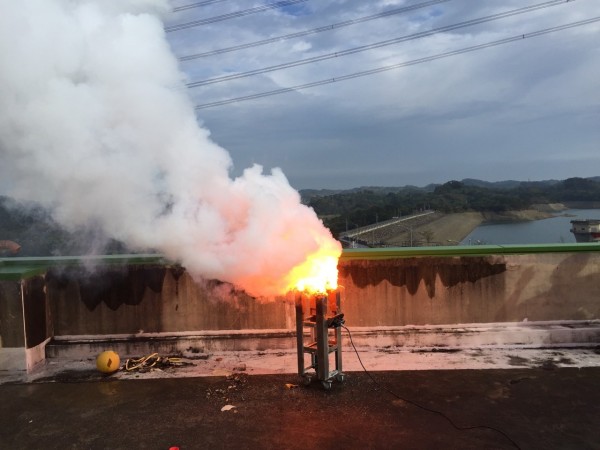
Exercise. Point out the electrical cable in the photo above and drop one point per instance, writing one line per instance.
(196, 5)
(232, 15)
(425, 408)
(399, 65)
(331, 27)
(376, 45)
(149, 361)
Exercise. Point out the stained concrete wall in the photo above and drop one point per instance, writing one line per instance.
(386, 292)
(450, 290)
(387, 301)
(25, 323)
(36, 312)
(11, 315)
(154, 299)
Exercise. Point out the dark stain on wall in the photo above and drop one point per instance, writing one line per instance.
(11, 315)
(409, 272)
(34, 311)
(115, 286)
(176, 272)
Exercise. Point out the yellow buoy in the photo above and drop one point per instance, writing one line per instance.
(108, 362)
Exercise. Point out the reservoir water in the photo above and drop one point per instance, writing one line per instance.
(554, 230)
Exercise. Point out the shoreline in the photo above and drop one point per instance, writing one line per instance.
(451, 229)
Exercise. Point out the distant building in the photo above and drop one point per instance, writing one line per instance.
(586, 230)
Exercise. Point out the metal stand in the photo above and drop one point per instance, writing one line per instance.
(319, 318)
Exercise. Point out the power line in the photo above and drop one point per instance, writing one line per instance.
(232, 15)
(402, 64)
(312, 31)
(375, 45)
(196, 5)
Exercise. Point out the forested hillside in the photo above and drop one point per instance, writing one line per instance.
(367, 206)
(33, 228)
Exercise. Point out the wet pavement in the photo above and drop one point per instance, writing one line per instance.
(547, 407)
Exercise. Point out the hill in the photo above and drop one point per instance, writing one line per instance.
(308, 194)
(351, 209)
(33, 228)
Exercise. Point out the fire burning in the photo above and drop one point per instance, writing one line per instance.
(318, 273)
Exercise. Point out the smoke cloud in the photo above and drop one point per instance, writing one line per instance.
(96, 124)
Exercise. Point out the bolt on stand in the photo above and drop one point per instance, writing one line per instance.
(319, 319)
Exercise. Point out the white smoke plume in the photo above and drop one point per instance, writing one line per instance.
(96, 124)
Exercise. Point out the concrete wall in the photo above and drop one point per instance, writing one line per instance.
(392, 298)
(379, 292)
(154, 299)
(11, 315)
(25, 323)
(469, 289)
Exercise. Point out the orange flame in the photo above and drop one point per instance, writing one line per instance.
(318, 273)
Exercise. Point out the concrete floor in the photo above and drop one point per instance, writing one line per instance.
(285, 362)
(548, 399)
(553, 408)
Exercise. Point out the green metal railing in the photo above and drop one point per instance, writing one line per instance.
(16, 268)
(465, 250)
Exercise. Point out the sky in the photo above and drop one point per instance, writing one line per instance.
(525, 110)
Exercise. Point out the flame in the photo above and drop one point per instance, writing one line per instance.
(318, 273)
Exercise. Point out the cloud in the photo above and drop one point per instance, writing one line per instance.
(481, 97)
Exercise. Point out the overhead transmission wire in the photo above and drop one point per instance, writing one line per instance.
(375, 45)
(231, 15)
(402, 64)
(196, 5)
(334, 26)
(425, 408)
